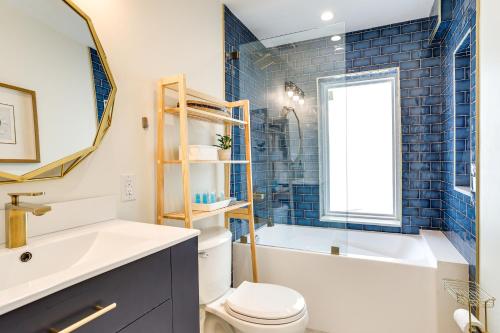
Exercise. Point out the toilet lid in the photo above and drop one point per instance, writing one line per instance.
(266, 303)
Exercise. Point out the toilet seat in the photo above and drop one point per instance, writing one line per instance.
(214, 324)
(218, 308)
(263, 321)
(265, 304)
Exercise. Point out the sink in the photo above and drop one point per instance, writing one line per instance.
(52, 256)
(56, 261)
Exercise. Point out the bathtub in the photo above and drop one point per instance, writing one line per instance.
(387, 283)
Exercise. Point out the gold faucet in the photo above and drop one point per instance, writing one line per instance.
(16, 218)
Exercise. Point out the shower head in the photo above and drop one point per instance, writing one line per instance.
(265, 61)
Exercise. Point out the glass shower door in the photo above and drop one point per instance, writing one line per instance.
(280, 78)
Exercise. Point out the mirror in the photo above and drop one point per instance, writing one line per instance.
(56, 90)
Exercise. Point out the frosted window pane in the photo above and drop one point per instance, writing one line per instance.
(361, 157)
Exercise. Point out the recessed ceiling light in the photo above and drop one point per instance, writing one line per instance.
(327, 16)
(336, 38)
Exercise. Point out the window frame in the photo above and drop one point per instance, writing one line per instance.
(324, 84)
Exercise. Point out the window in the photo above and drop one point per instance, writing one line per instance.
(360, 148)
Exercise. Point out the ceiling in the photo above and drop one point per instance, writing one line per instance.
(271, 18)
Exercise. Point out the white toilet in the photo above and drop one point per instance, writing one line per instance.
(250, 308)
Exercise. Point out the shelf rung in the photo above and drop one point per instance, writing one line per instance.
(207, 116)
(206, 162)
(199, 215)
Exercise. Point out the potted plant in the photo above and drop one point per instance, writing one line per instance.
(224, 144)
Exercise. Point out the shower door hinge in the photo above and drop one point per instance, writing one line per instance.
(335, 250)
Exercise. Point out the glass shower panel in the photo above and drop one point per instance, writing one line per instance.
(247, 72)
(280, 78)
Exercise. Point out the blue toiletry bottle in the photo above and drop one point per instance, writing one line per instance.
(197, 198)
(213, 198)
(205, 198)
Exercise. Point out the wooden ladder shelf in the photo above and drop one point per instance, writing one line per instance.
(241, 209)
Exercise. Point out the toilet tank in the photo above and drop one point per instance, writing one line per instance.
(214, 262)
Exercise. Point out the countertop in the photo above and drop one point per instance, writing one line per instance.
(65, 258)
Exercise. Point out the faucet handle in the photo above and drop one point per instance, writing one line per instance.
(14, 197)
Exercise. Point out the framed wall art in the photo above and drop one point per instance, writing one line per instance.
(18, 125)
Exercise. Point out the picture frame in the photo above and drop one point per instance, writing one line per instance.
(19, 137)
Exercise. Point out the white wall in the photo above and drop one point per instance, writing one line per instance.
(144, 40)
(489, 116)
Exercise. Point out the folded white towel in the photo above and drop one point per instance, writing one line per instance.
(461, 317)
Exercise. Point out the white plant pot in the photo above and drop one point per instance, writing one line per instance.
(224, 155)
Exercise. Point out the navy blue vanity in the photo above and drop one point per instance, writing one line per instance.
(155, 294)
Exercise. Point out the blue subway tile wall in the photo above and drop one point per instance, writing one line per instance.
(459, 214)
(101, 83)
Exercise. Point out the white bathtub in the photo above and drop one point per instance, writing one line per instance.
(387, 283)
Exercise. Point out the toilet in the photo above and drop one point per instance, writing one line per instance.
(249, 308)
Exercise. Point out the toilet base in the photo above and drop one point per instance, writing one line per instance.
(214, 324)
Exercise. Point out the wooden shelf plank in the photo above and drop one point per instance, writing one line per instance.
(206, 162)
(199, 215)
(200, 95)
(207, 116)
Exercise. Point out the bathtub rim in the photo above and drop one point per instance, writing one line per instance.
(436, 245)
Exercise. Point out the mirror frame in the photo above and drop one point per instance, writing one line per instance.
(61, 167)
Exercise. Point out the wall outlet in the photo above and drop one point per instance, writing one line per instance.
(127, 187)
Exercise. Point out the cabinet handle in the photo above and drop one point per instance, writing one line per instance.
(73, 327)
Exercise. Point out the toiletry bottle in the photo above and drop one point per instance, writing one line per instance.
(205, 197)
(197, 198)
(213, 198)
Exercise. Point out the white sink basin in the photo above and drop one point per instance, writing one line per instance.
(65, 258)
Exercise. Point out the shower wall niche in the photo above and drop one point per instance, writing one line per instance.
(462, 116)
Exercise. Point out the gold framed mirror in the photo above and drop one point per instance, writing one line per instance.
(57, 91)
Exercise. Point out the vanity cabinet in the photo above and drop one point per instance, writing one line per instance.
(158, 293)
